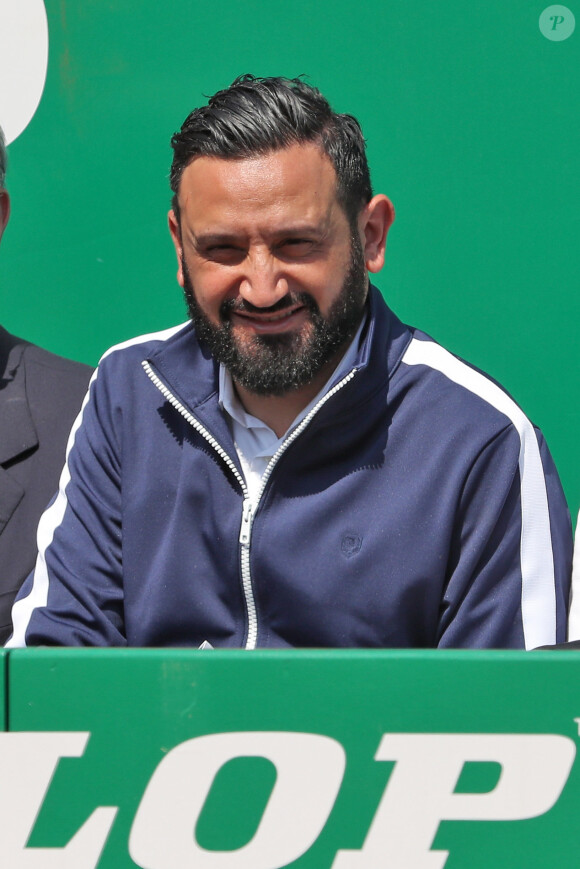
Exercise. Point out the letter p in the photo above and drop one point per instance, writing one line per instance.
(420, 791)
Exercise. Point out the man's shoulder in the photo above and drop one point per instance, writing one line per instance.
(431, 381)
(467, 397)
(171, 352)
(143, 346)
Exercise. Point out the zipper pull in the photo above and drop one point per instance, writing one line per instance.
(246, 527)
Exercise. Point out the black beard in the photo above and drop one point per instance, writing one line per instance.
(277, 364)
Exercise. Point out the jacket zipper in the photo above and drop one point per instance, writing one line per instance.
(248, 509)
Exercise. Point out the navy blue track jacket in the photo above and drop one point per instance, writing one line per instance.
(415, 506)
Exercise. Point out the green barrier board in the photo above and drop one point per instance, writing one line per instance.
(405, 760)
(3, 695)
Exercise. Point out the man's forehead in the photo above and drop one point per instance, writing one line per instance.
(291, 169)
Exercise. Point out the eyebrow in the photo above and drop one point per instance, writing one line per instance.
(208, 238)
(205, 239)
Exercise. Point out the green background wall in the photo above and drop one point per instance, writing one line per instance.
(471, 117)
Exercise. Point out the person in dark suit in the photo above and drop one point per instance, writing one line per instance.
(40, 396)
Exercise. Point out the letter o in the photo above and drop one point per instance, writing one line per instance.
(309, 768)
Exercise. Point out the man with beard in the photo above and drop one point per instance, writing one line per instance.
(294, 467)
(40, 395)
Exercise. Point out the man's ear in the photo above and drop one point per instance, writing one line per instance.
(175, 232)
(374, 223)
(4, 209)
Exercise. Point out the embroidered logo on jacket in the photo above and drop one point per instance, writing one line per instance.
(351, 544)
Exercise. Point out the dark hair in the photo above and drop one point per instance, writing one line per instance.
(259, 115)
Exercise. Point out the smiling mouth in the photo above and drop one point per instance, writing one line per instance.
(273, 322)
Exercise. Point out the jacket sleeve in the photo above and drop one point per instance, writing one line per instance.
(511, 555)
(74, 597)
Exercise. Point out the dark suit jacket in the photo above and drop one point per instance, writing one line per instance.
(40, 396)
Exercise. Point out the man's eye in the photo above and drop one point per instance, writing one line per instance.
(297, 246)
(224, 253)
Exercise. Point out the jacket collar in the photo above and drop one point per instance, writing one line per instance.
(188, 370)
(385, 341)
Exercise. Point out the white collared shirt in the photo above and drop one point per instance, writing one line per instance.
(255, 441)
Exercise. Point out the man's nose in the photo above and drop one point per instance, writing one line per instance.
(262, 283)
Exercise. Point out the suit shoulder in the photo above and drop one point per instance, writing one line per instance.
(39, 356)
(55, 386)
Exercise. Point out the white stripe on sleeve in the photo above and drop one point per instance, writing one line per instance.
(53, 516)
(538, 599)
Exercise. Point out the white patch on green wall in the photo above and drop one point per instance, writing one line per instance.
(23, 63)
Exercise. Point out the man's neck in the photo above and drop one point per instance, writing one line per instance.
(280, 411)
